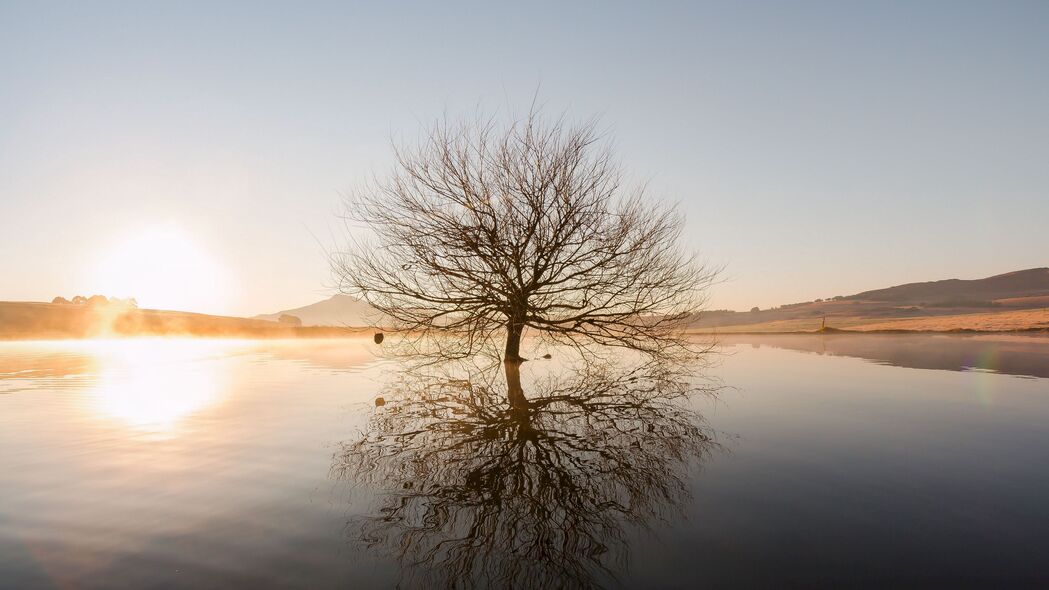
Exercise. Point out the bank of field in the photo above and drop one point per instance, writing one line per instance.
(996, 321)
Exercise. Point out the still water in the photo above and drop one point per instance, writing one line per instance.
(789, 461)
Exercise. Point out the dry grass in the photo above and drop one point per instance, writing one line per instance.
(781, 326)
(995, 321)
(1032, 301)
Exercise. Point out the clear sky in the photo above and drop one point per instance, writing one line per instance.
(817, 148)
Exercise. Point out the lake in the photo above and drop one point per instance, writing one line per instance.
(839, 460)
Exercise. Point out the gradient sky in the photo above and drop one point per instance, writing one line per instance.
(817, 148)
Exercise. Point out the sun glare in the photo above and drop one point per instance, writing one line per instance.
(162, 268)
(151, 385)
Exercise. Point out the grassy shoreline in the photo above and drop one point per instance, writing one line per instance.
(1004, 321)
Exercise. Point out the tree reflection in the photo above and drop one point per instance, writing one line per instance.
(486, 486)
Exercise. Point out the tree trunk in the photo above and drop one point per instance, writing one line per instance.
(514, 330)
(520, 409)
(514, 391)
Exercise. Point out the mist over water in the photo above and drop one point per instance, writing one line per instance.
(828, 461)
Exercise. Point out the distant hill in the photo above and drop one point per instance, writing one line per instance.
(1012, 285)
(21, 320)
(1019, 290)
(338, 310)
(1006, 302)
(1011, 301)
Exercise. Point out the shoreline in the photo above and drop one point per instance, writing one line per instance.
(332, 333)
(841, 331)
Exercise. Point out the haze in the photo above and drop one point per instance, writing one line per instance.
(818, 149)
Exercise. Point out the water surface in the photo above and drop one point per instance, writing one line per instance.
(840, 460)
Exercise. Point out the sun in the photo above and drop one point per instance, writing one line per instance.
(162, 268)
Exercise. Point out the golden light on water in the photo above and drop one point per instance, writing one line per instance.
(152, 385)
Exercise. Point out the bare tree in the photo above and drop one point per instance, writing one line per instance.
(485, 229)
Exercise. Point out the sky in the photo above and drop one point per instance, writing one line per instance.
(817, 149)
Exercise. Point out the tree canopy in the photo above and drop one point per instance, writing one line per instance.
(487, 229)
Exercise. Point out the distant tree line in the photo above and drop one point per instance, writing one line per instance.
(289, 320)
(96, 300)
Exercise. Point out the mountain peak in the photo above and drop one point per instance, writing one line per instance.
(338, 310)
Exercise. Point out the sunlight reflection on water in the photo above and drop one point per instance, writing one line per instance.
(152, 385)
